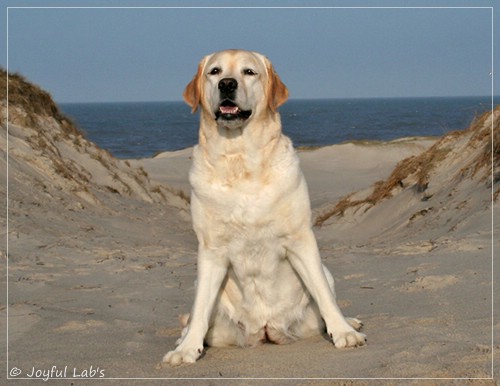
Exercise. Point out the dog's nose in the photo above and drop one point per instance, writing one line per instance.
(227, 86)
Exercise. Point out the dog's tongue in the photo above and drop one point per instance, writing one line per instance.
(229, 109)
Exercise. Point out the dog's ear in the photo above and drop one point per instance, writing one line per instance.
(277, 91)
(192, 93)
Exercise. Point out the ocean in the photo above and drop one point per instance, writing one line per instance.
(141, 130)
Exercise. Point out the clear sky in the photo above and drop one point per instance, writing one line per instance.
(150, 54)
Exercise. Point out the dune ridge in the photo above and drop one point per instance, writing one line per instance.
(441, 188)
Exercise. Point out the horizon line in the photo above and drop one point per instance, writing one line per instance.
(290, 99)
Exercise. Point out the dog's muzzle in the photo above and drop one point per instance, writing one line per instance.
(228, 110)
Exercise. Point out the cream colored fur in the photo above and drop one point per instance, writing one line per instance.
(260, 275)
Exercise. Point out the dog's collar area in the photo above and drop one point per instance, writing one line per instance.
(228, 110)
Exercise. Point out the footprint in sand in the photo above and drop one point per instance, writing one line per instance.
(75, 325)
(429, 283)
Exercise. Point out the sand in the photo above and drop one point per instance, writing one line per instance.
(102, 260)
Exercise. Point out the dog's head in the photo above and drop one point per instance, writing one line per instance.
(235, 86)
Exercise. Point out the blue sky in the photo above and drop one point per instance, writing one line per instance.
(102, 54)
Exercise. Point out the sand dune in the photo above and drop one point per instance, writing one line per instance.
(435, 194)
(102, 258)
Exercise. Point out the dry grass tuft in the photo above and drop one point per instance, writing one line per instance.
(34, 101)
(490, 142)
(176, 192)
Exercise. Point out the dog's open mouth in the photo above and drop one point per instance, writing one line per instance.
(228, 110)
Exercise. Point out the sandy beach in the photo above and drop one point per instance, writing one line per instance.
(102, 260)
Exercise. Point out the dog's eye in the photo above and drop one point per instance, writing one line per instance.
(215, 71)
(249, 71)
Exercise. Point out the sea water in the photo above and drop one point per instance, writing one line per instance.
(140, 130)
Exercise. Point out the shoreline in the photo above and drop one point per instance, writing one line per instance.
(361, 142)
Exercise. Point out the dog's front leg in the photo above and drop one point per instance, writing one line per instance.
(211, 273)
(304, 256)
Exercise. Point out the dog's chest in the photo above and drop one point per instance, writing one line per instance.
(248, 206)
(239, 192)
(256, 202)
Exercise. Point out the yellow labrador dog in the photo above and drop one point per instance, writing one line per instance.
(260, 276)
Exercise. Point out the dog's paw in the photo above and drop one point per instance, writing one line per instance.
(355, 323)
(348, 338)
(182, 355)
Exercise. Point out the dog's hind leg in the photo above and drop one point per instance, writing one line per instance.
(223, 332)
